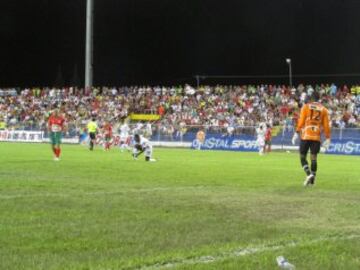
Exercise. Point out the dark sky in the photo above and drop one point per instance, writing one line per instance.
(169, 41)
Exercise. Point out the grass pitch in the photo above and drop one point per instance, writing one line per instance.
(189, 210)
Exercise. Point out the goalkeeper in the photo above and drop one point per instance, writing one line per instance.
(142, 145)
(314, 118)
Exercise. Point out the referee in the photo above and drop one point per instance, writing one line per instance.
(92, 128)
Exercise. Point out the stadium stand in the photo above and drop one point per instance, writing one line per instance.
(179, 107)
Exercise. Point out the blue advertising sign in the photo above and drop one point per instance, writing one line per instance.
(344, 147)
(240, 143)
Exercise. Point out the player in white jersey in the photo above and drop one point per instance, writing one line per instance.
(142, 145)
(124, 136)
(261, 131)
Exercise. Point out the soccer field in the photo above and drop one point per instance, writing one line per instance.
(189, 210)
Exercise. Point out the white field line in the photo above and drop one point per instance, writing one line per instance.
(239, 253)
(98, 193)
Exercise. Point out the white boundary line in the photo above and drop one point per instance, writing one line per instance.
(239, 253)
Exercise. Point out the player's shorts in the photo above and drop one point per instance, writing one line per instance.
(305, 145)
(107, 138)
(55, 138)
(268, 142)
(92, 135)
(260, 142)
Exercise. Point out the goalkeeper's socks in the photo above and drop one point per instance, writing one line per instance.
(305, 165)
(313, 167)
(306, 169)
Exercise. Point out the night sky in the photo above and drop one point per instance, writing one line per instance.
(169, 41)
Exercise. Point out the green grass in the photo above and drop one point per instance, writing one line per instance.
(102, 210)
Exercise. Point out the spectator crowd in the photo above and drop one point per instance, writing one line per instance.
(224, 106)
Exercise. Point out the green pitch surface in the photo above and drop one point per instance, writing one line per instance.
(189, 210)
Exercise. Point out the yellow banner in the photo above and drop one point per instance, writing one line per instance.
(275, 130)
(144, 117)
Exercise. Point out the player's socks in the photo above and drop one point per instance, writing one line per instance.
(59, 151)
(147, 158)
(305, 166)
(313, 166)
(313, 170)
(307, 170)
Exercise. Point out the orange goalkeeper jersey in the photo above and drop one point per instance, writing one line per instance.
(314, 118)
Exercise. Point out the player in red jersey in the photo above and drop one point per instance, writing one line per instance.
(107, 129)
(268, 139)
(56, 125)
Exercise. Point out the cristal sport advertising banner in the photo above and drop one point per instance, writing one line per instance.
(249, 144)
(236, 143)
(344, 147)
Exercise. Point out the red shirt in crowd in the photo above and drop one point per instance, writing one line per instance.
(161, 110)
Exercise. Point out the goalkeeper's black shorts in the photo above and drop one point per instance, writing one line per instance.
(305, 145)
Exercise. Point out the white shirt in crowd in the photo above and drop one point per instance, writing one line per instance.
(124, 130)
(148, 129)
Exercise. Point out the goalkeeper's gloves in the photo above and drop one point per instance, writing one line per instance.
(326, 144)
(294, 138)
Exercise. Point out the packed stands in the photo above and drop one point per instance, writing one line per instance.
(222, 106)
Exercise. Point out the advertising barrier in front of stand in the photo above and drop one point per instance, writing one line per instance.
(230, 143)
(344, 147)
(345, 142)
